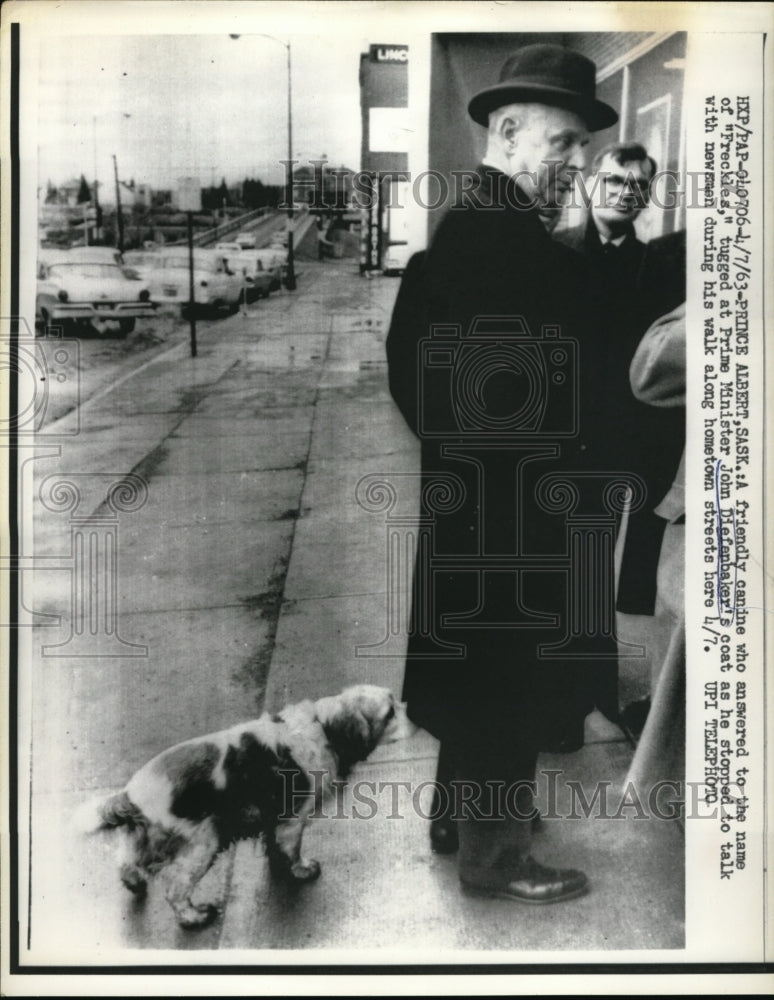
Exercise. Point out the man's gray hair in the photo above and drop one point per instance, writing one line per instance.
(521, 112)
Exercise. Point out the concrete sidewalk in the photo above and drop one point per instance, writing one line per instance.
(246, 579)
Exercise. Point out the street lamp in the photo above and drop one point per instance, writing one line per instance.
(290, 280)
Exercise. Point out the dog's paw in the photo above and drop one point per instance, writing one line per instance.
(305, 870)
(191, 917)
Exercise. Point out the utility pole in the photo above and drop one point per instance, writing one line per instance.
(189, 200)
(191, 293)
(97, 233)
(290, 279)
(119, 214)
(290, 282)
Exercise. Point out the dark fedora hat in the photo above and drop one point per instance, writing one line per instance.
(546, 74)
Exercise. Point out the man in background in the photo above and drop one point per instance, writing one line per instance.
(619, 190)
(629, 289)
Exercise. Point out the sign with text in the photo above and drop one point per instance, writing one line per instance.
(389, 53)
(389, 130)
(189, 194)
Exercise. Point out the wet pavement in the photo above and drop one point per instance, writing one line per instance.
(248, 574)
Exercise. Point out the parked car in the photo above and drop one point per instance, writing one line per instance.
(141, 264)
(96, 255)
(246, 240)
(258, 281)
(80, 292)
(271, 263)
(276, 259)
(228, 247)
(216, 285)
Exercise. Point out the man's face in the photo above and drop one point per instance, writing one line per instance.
(547, 152)
(621, 192)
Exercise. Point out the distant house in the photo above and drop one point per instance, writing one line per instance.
(160, 198)
(143, 195)
(67, 193)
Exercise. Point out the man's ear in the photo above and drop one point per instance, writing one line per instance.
(508, 129)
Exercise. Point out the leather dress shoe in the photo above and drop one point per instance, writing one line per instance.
(532, 883)
(444, 838)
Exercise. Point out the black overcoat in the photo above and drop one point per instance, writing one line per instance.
(476, 412)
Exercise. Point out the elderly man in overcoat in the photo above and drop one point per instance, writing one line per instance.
(490, 361)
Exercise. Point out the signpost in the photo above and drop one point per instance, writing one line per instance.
(189, 200)
(370, 243)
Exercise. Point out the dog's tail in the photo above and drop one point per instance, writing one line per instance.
(106, 814)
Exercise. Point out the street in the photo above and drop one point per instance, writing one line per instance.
(104, 356)
(247, 571)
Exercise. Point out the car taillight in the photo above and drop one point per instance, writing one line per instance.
(62, 295)
(144, 295)
(203, 284)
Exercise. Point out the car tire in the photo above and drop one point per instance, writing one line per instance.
(126, 326)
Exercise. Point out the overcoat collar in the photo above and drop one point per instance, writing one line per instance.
(497, 188)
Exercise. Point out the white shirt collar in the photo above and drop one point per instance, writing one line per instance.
(616, 242)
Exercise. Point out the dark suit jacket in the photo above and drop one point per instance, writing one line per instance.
(585, 240)
(494, 262)
(641, 283)
(661, 280)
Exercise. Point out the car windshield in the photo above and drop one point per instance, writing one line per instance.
(85, 270)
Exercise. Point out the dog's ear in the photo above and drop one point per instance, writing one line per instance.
(348, 732)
